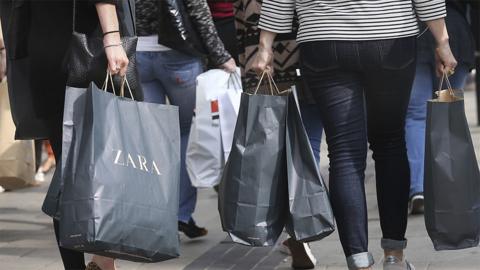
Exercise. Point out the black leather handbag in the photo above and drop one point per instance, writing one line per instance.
(177, 29)
(87, 60)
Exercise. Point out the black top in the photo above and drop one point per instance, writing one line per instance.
(39, 31)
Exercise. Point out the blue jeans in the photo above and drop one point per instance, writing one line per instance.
(172, 75)
(362, 89)
(426, 82)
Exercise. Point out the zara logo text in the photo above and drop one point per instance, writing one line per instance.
(138, 162)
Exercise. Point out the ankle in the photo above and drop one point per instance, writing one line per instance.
(396, 253)
(104, 263)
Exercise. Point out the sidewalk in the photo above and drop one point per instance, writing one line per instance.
(27, 239)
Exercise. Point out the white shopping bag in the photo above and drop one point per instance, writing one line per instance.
(229, 103)
(205, 151)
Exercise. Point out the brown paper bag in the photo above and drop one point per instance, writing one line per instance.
(17, 158)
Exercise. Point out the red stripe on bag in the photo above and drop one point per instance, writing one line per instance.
(214, 106)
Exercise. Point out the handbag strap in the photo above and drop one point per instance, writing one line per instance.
(130, 11)
(74, 15)
(132, 17)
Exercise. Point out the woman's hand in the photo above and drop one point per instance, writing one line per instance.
(264, 58)
(230, 66)
(263, 61)
(445, 61)
(116, 56)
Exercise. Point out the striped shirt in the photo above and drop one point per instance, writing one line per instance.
(349, 19)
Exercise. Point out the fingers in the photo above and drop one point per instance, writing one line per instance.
(263, 62)
(260, 67)
(118, 65)
(449, 67)
(123, 67)
(446, 62)
(230, 66)
(446, 67)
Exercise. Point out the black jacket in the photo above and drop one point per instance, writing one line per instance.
(37, 35)
(190, 29)
(19, 22)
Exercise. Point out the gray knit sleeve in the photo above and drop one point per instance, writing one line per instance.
(202, 19)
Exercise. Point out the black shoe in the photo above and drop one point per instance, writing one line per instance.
(302, 257)
(416, 204)
(191, 230)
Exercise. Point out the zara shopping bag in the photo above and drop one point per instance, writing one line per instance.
(17, 158)
(311, 216)
(121, 178)
(452, 178)
(253, 191)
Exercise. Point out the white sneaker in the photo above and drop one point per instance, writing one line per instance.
(2, 189)
(40, 176)
(416, 204)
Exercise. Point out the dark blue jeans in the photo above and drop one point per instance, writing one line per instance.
(362, 90)
(313, 126)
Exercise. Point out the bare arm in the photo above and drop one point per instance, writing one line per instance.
(264, 59)
(117, 59)
(445, 61)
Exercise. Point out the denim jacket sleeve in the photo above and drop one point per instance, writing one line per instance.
(202, 19)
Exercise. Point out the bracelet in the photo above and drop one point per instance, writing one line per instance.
(112, 45)
(110, 32)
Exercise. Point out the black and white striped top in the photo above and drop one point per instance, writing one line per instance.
(349, 19)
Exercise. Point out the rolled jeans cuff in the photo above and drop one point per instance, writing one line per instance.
(389, 244)
(360, 260)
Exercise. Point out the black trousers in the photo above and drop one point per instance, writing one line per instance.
(48, 81)
(362, 90)
(72, 260)
(227, 33)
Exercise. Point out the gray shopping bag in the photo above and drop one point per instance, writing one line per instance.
(452, 178)
(253, 189)
(310, 212)
(121, 180)
(52, 199)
